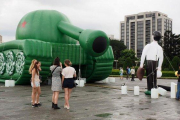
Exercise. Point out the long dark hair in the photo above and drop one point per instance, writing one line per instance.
(56, 61)
(36, 67)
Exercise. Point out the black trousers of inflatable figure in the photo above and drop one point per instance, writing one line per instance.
(151, 74)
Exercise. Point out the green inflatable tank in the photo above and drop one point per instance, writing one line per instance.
(47, 34)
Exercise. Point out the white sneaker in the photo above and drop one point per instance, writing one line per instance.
(65, 106)
(68, 108)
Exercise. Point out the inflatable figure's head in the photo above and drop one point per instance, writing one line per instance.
(53, 26)
(157, 35)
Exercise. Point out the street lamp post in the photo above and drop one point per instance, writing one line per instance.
(116, 63)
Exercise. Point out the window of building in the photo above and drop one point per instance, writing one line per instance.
(140, 16)
(148, 15)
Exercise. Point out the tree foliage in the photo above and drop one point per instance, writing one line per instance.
(117, 47)
(128, 53)
(128, 62)
(127, 58)
(175, 63)
(171, 44)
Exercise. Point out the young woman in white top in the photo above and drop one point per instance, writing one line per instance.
(133, 73)
(35, 83)
(68, 82)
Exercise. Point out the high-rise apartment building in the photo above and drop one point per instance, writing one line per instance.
(136, 30)
(0, 39)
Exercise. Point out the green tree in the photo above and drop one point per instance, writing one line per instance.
(117, 47)
(171, 44)
(165, 64)
(127, 54)
(121, 62)
(175, 63)
(128, 62)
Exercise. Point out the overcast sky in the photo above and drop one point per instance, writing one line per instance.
(103, 15)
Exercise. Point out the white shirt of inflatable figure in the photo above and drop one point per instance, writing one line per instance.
(153, 51)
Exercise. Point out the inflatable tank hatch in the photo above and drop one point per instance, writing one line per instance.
(47, 34)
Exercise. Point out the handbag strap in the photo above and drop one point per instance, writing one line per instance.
(54, 69)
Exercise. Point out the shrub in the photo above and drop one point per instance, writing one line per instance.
(166, 69)
(164, 73)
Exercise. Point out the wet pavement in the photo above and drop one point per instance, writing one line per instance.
(100, 101)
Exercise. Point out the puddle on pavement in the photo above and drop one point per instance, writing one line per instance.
(74, 96)
(92, 91)
(106, 92)
(43, 95)
(153, 114)
(150, 119)
(127, 106)
(25, 95)
(104, 115)
(27, 104)
(143, 108)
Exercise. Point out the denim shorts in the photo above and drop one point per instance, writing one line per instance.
(37, 84)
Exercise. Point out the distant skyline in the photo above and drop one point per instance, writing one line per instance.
(103, 15)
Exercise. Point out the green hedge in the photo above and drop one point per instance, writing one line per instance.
(164, 73)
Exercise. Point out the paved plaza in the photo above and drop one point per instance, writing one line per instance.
(99, 101)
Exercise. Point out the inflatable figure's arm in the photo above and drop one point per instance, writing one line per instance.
(160, 59)
(94, 42)
(144, 53)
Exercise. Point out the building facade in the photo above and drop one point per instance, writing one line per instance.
(0, 39)
(136, 30)
(111, 37)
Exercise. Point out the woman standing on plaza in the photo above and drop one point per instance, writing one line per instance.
(35, 83)
(32, 65)
(68, 82)
(121, 73)
(30, 72)
(133, 73)
(56, 69)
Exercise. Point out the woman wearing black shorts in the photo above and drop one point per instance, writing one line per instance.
(68, 82)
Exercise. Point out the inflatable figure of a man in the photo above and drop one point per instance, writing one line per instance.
(153, 53)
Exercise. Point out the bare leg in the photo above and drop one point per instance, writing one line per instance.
(53, 96)
(34, 95)
(56, 97)
(66, 96)
(69, 94)
(38, 94)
